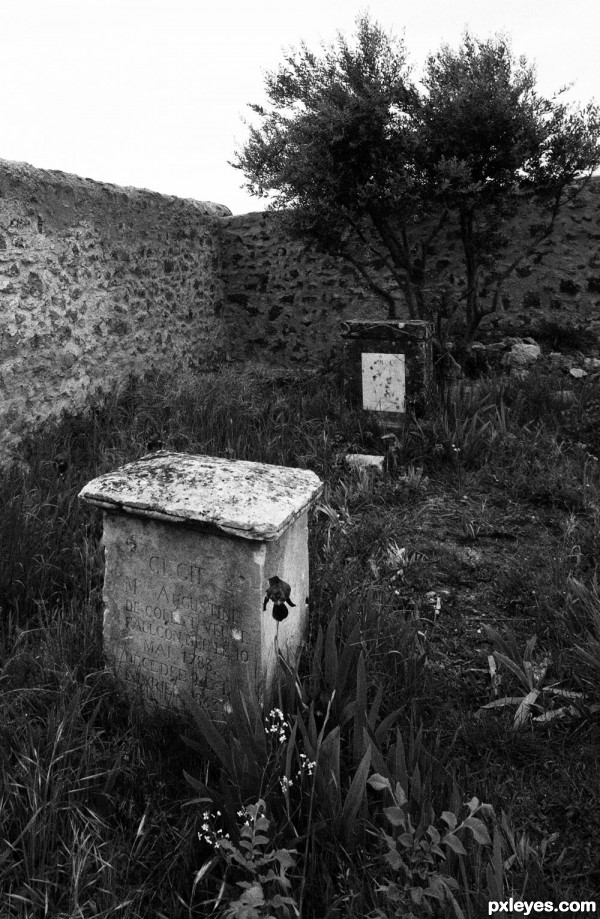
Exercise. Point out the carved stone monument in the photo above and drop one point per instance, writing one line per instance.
(206, 564)
(388, 366)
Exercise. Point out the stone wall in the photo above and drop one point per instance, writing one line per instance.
(562, 281)
(283, 301)
(97, 282)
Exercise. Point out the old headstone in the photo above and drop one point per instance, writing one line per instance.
(388, 366)
(196, 549)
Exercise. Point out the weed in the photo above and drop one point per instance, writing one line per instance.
(263, 870)
(386, 689)
(539, 695)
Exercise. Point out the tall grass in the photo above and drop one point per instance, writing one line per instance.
(330, 799)
(48, 542)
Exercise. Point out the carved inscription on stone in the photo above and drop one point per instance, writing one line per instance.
(179, 625)
(191, 543)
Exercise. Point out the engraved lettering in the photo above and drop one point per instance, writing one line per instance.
(162, 591)
(157, 650)
(158, 565)
(189, 572)
(174, 633)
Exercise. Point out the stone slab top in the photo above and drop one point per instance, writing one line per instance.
(250, 500)
(386, 328)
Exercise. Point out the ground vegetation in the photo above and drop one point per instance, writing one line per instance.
(435, 745)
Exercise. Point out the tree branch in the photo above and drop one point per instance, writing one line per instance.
(372, 283)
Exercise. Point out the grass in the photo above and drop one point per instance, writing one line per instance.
(378, 781)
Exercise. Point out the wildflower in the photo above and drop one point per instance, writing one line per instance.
(306, 765)
(286, 783)
(278, 725)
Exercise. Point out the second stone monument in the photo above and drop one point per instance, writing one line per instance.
(388, 367)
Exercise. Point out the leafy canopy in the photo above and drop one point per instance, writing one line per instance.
(360, 158)
(338, 133)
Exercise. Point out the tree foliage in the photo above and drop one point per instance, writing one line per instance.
(373, 165)
(495, 148)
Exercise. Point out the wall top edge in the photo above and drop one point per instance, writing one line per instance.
(24, 172)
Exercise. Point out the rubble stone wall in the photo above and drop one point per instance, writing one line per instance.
(283, 301)
(97, 282)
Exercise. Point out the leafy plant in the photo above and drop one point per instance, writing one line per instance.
(539, 696)
(92, 822)
(419, 856)
(584, 607)
(265, 886)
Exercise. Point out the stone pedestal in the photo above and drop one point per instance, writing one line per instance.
(388, 366)
(190, 544)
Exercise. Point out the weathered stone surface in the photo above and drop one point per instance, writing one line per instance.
(186, 577)
(365, 461)
(251, 500)
(97, 282)
(283, 299)
(384, 382)
(388, 374)
(290, 298)
(386, 329)
(521, 355)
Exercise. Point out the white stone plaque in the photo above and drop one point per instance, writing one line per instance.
(190, 544)
(383, 382)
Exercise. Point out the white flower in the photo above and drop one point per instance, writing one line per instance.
(306, 764)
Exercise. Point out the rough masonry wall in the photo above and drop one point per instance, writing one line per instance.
(97, 282)
(283, 301)
(562, 281)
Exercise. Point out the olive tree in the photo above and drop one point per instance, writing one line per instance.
(494, 148)
(338, 148)
(372, 165)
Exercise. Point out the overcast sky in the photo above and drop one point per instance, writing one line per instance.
(152, 93)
